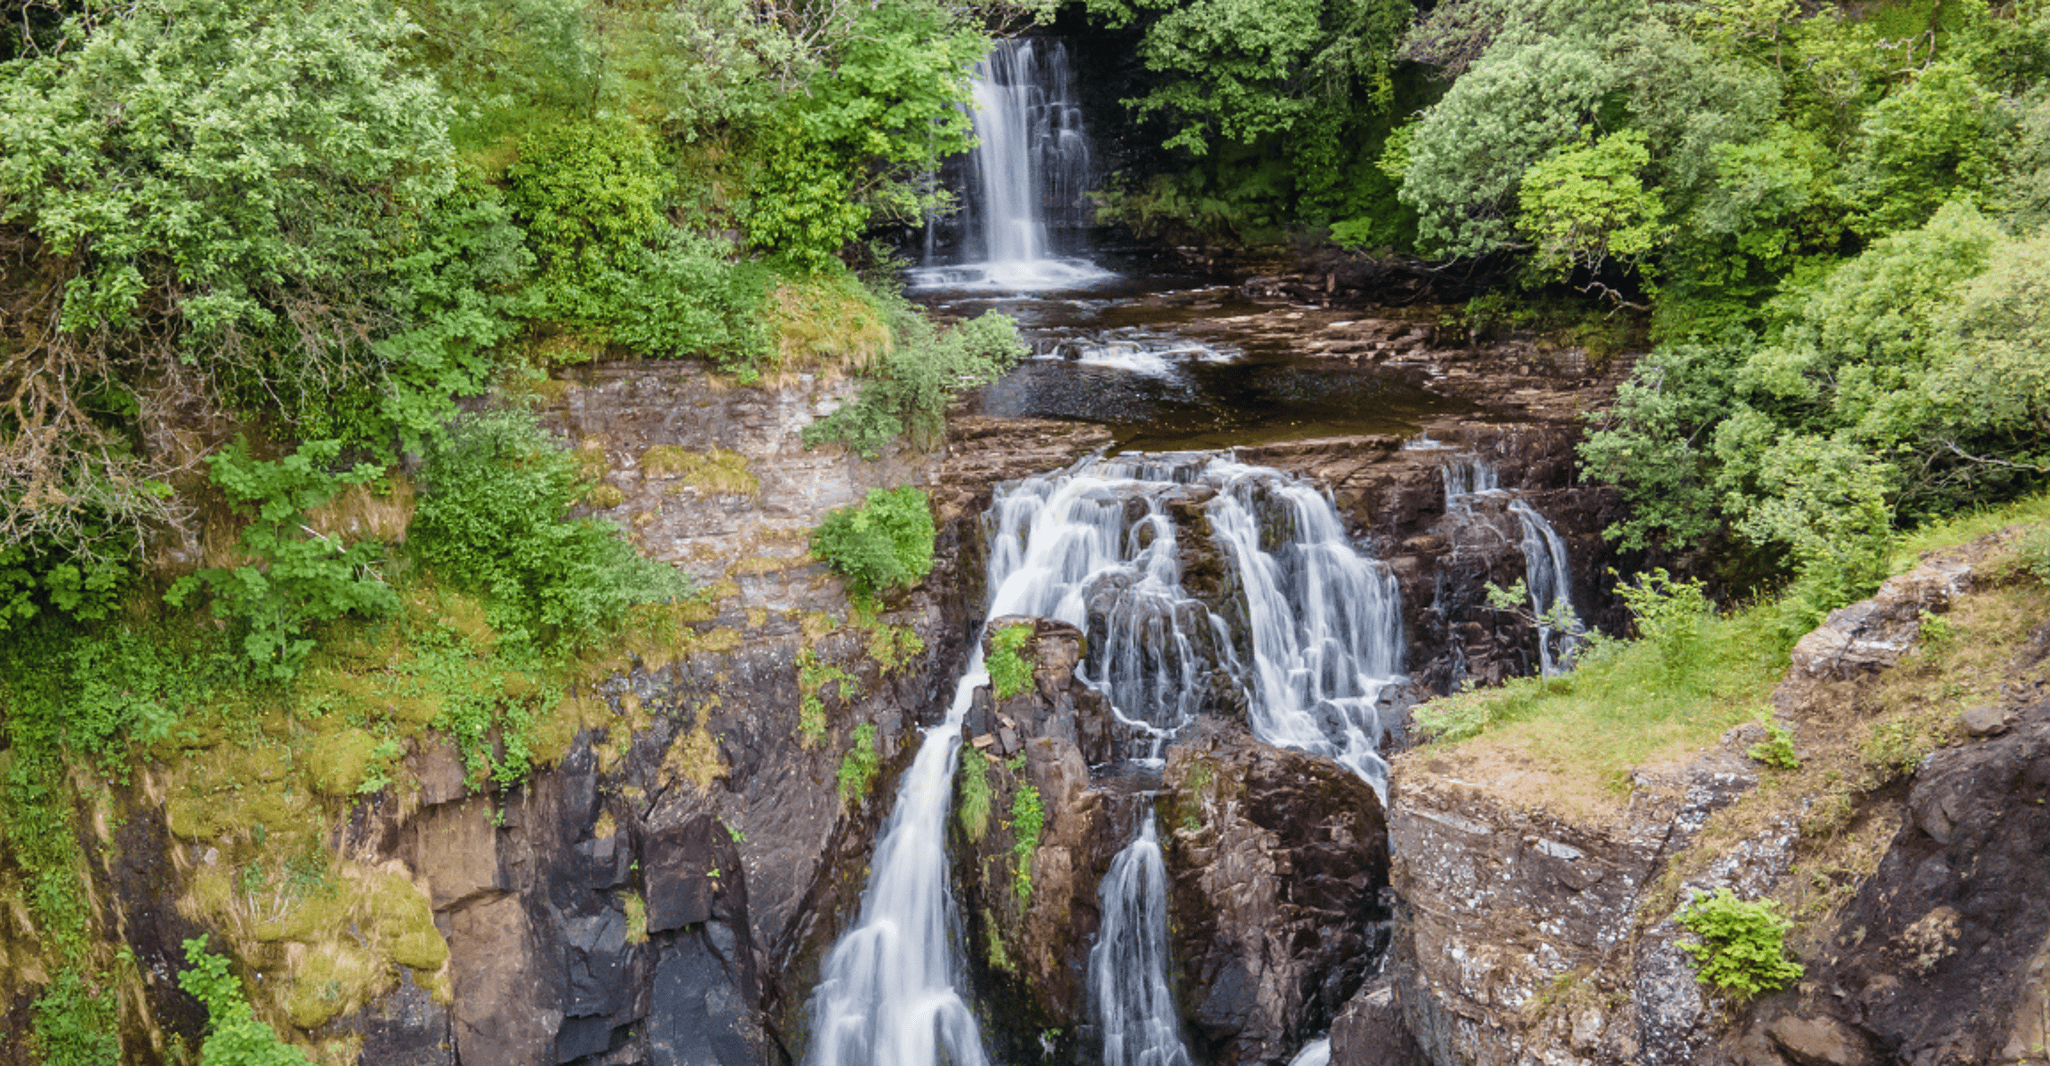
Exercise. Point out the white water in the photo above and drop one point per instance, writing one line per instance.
(1315, 1053)
(1031, 159)
(1145, 352)
(1547, 574)
(1130, 995)
(890, 994)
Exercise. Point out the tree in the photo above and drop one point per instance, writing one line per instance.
(1586, 205)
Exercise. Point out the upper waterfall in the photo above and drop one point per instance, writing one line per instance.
(1027, 175)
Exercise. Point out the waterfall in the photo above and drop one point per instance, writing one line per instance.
(1550, 581)
(1098, 546)
(1129, 990)
(1547, 575)
(1028, 173)
(890, 991)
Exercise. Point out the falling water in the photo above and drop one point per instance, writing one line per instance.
(1129, 968)
(1029, 170)
(890, 994)
(1547, 575)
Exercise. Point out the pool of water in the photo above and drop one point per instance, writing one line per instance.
(1170, 364)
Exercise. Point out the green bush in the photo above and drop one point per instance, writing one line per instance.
(1670, 614)
(1028, 820)
(300, 577)
(858, 769)
(234, 1036)
(492, 521)
(908, 394)
(885, 542)
(1743, 945)
(1009, 674)
(1777, 749)
(2035, 552)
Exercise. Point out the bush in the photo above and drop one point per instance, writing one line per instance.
(1009, 673)
(1743, 945)
(886, 542)
(234, 1036)
(858, 769)
(1777, 749)
(301, 577)
(912, 386)
(492, 521)
(1670, 614)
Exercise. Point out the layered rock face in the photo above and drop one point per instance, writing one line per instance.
(1529, 935)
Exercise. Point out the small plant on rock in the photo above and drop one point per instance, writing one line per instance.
(1028, 820)
(886, 542)
(1743, 948)
(1777, 749)
(1009, 674)
(973, 809)
(858, 769)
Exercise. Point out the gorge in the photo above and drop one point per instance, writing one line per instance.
(1265, 691)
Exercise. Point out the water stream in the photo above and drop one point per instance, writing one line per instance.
(1547, 573)
(1130, 994)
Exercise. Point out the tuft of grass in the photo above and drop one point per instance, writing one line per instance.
(973, 810)
(1644, 704)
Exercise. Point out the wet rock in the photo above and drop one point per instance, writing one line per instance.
(1276, 860)
(697, 1017)
(406, 1028)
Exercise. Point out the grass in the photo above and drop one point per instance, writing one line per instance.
(1574, 739)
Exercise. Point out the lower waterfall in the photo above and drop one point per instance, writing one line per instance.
(1130, 995)
(1547, 574)
(1304, 633)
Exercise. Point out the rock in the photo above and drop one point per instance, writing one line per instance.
(1873, 634)
(455, 847)
(1820, 1041)
(1276, 860)
(504, 1011)
(697, 1018)
(1371, 1032)
(406, 1028)
(1940, 955)
(1986, 721)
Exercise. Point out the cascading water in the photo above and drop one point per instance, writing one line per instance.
(1129, 990)
(890, 994)
(1028, 173)
(1097, 546)
(1547, 575)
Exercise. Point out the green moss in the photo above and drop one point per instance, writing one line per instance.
(338, 762)
(636, 918)
(403, 924)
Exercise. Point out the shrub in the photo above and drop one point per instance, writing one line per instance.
(234, 1036)
(1009, 674)
(1777, 749)
(492, 521)
(1028, 820)
(1743, 945)
(1670, 614)
(885, 542)
(301, 577)
(2035, 552)
(912, 386)
(858, 769)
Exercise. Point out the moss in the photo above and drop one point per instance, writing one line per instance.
(330, 979)
(827, 323)
(713, 473)
(402, 925)
(604, 827)
(604, 496)
(693, 756)
(337, 762)
(636, 918)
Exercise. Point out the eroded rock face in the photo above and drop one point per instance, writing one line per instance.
(1957, 914)
(1276, 863)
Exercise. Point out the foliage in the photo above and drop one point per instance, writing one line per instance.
(234, 1036)
(75, 1023)
(860, 765)
(1586, 205)
(908, 392)
(813, 675)
(1669, 614)
(298, 577)
(493, 520)
(1777, 749)
(974, 806)
(195, 247)
(885, 542)
(1009, 674)
(1028, 820)
(2035, 552)
(1742, 951)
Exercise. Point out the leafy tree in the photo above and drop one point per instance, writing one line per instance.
(1936, 140)
(1586, 205)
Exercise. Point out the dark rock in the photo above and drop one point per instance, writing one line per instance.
(1276, 860)
(697, 1016)
(406, 1028)
(1371, 1032)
